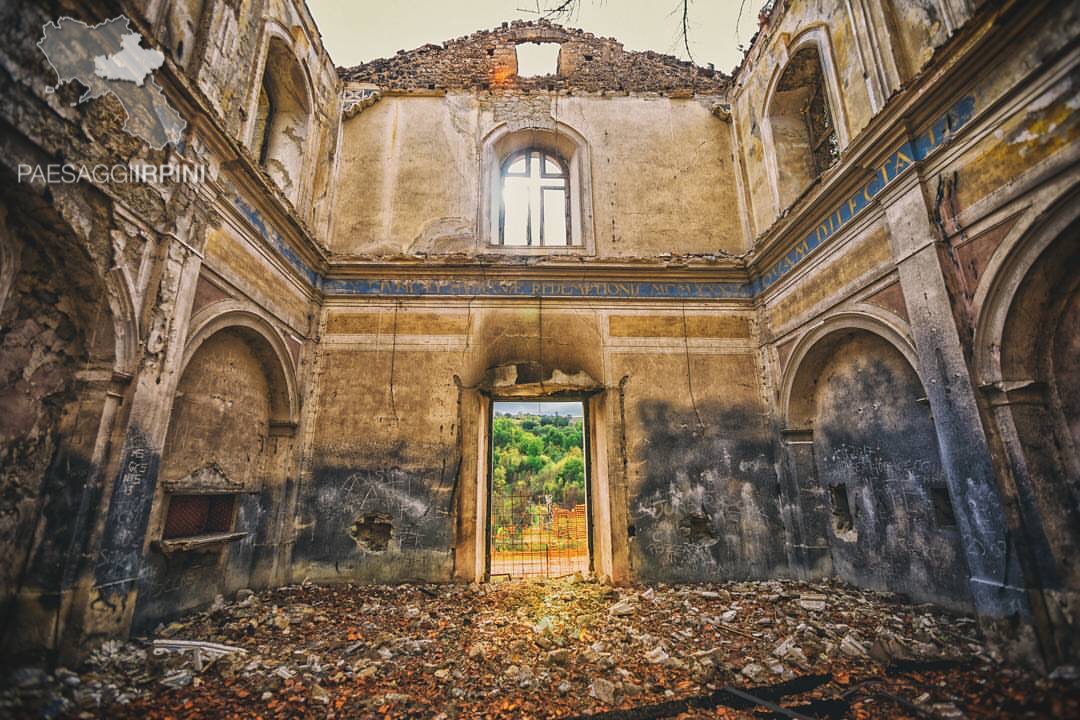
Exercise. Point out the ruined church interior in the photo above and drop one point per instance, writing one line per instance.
(525, 374)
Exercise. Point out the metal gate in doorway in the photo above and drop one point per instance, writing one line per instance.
(536, 538)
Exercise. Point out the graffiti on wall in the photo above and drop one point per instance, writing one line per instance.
(120, 556)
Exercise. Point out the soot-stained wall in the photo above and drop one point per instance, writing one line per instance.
(703, 491)
(55, 326)
(375, 501)
(217, 444)
(874, 443)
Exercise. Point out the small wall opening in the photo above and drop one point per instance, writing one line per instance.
(943, 510)
(535, 59)
(195, 515)
(842, 520)
(538, 508)
(372, 533)
(697, 528)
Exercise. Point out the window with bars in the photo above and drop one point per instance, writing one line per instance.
(819, 128)
(194, 515)
(534, 201)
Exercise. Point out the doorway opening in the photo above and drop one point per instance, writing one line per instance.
(538, 501)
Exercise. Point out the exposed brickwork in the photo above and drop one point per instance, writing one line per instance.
(488, 60)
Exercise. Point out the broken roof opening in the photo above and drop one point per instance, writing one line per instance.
(541, 58)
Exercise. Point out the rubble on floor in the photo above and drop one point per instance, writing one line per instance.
(550, 648)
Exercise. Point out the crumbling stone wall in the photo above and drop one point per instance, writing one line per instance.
(487, 60)
(47, 335)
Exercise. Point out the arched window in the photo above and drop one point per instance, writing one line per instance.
(803, 131)
(537, 191)
(534, 200)
(282, 119)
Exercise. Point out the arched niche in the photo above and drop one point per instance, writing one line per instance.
(218, 507)
(223, 408)
(1027, 357)
(283, 118)
(863, 449)
(266, 342)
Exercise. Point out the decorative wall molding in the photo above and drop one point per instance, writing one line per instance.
(897, 165)
(355, 99)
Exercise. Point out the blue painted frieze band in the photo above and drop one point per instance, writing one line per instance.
(899, 162)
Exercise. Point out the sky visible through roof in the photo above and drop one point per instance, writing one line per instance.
(538, 408)
(357, 32)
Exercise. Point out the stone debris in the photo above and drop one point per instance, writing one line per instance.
(656, 656)
(812, 601)
(1065, 672)
(753, 670)
(483, 59)
(851, 645)
(603, 690)
(536, 649)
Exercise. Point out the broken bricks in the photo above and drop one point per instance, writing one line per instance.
(538, 648)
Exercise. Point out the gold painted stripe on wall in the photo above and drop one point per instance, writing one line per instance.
(870, 254)
(697, 326)
(382, 323)
(234, 258)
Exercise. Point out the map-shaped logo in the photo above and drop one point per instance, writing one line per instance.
(108, 58)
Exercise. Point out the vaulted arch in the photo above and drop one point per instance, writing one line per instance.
(1027, 359)
(863, 452)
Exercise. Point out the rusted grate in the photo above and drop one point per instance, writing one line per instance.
(190, 515)
(531, 537)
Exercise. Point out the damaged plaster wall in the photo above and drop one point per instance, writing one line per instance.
(376, 495)
(892, 522)
(702, 485)
(216, 445)
(412, 164)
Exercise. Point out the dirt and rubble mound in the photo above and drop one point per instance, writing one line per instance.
(550, 648)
